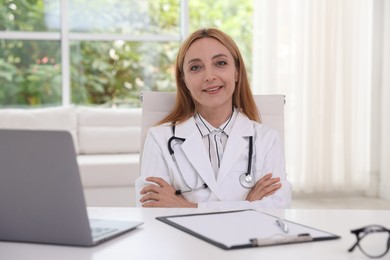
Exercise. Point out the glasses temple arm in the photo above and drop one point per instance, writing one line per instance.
(353, 246)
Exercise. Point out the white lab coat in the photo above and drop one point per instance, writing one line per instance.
(225, 192)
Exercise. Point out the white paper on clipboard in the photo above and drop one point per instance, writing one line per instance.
(236, 229)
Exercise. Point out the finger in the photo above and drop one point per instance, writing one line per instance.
(156, 204)
(271, 181)
(264, 178)
(151, 204)
(150, 188)
(149, 197)
(269, 194)
(159, 181)
(267, 191)
(266, 181)
(157, 200)
(264, 189)
(271, 190)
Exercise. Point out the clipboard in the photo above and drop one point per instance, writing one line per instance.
(244, 229)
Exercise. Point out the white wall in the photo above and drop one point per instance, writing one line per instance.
(384, 188)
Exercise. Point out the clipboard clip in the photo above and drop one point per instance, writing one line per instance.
(281, 239)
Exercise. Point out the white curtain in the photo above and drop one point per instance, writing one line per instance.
(383, 60)
(319, 54)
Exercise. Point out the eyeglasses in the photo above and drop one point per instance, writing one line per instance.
(373, 240)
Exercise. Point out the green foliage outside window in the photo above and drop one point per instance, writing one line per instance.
(30, 73)
(104, 72)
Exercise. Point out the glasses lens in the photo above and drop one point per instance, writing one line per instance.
(374, 244)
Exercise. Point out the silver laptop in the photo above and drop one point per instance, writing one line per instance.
(41, 195)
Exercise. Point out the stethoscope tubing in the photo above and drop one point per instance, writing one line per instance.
(172, 153)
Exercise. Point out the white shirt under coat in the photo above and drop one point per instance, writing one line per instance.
(224, 190)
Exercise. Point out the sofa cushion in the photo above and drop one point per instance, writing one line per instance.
(50, 118)
(108, 170)
(108, 130)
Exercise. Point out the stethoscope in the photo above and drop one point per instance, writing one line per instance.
(246, 179)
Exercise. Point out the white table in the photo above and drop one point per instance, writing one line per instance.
(157, 240)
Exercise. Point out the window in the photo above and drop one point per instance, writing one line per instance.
(103, 52)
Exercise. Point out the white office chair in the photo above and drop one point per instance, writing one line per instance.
(156, 105)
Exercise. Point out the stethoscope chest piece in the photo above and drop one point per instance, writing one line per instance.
(247, 181)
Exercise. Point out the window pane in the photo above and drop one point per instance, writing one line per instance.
(115, 73)
(233, 17)
(128, 17)
(29, 16)
(30, 73)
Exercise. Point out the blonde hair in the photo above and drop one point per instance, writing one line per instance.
(184, 107)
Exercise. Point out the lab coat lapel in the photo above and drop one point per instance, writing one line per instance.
(235, 145)
(194, 150)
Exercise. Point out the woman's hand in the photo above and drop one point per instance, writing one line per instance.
(163, 195)
(264, 187)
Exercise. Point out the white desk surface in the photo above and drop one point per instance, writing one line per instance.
(157, 240)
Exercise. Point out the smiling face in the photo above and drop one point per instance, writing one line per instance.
(210, 75)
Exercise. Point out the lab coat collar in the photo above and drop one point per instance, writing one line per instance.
(241, 126)
(206, 128)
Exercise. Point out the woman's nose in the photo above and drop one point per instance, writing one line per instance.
(209, 75)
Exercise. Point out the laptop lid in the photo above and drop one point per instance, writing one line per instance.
(41, 195)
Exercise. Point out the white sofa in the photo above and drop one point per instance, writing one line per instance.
(107, 143)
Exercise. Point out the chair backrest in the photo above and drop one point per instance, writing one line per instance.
(156, 105)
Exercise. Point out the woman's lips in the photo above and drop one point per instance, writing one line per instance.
(213, 89)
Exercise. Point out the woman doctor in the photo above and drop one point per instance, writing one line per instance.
(211, 150)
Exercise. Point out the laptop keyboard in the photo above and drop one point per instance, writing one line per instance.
(101, 231)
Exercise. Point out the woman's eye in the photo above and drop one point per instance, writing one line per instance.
(195, 68)
(221, 63)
